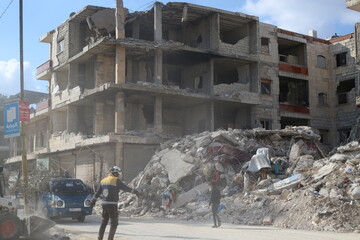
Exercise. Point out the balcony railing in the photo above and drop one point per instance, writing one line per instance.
(43, 67)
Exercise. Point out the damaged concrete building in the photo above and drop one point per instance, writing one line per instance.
(120, 83)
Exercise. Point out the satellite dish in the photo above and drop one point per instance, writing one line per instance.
(72, 14)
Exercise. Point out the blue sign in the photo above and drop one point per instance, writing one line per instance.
(11, 120)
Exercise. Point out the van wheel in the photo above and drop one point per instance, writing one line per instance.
(81, 219)
(10, 226)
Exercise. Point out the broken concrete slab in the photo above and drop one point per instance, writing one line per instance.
(355, 193)
(350, 147)
(172, 160)
(325, 170)
(287, 183)
(191, 195)
(337, 157)
(296, 150)
(304, 163)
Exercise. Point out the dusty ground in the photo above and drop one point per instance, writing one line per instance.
(155, 229)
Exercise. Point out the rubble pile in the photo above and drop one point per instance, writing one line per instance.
(267, 177)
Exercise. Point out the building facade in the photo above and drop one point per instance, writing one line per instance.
(122, 83)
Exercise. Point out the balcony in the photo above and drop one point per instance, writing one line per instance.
(293, 69)
(353, 5)
(43, 72)
(294, 109)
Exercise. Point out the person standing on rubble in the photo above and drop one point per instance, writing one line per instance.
(109, 191)
(214, 203)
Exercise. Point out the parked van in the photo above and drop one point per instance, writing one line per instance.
(67, 198)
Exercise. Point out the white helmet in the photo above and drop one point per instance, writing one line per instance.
(115, 169)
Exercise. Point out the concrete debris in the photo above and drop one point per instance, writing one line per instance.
(325, 170)
(175, 169)
(299, 187)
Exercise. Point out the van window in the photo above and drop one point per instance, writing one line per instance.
(69, 188)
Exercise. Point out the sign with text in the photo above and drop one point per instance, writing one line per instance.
(24, 111)
(11, 120)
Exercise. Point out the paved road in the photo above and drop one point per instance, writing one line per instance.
(153, 229)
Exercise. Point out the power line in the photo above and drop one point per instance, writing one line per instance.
(6, 9)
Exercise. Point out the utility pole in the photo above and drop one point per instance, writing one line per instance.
(23, 137)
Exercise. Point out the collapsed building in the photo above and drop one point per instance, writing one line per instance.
(291, 184)
(121, 83)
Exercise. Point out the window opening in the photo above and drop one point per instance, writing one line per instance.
(322, 99)
(266, 124)
(60, 45)
(343, 88)
(324, 136)
(266, 86)
(265, 41)
(341, 59)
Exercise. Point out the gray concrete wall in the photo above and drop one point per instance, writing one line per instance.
(196, 119)
(269, 70)
(197, 70)
(59, 122)
(104, 70)
(346, 114)
(136, 157)
(173, 121)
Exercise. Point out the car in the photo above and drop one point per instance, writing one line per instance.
(67, 198)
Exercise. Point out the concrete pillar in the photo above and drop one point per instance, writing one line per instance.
(158, 38)
(72, 119)
(120, 112)
(119, 155)
(99, 70)
(120, 65)
(253, 37)
(210, 117)
(254, 77)
(158, 66)
(357, 39)
(210, 86)
(214, 35)
(158, 114)
(158, 22)
(99, 117)
(120, 19)
(120, 51)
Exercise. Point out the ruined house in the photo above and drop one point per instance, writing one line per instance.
(120, 83)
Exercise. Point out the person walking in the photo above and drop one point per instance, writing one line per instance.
(214, 203)
(109, 191)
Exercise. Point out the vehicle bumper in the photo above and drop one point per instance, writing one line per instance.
(69, 212)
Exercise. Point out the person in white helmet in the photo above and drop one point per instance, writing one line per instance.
(109, 192)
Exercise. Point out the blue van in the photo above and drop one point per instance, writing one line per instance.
(67, 198)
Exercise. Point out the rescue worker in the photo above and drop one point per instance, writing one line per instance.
(109, 191)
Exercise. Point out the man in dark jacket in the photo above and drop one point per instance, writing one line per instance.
(215, 202)
(109, 191)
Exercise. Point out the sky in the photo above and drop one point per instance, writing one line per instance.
(327, 17)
